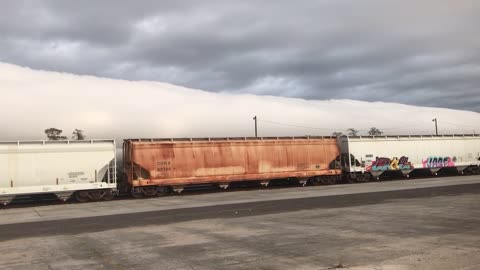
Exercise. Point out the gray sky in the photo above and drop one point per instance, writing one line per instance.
(414, 52)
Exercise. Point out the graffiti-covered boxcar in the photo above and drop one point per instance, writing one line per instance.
(154, 165)
(363, 157)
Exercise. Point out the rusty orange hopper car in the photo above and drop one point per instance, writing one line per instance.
(155, 166)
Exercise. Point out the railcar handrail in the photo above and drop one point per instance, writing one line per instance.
(226, 139)
(92, 141)
(414, 136)
(294, 138)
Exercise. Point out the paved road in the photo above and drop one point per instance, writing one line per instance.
(428, 228)
(100, 223)
(70, 211)
(422, 225)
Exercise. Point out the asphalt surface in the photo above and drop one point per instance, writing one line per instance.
(37, 213)
(101, 223)
(402, 225)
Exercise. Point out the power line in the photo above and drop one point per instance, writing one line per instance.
(402, 127)
(460, 125)
(290, 125)
(334, 129)
(359, 130)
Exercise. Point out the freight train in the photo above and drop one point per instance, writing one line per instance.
(87, 170)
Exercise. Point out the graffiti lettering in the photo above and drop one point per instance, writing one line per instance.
(381, 164)
(439, 162)
(404, 164)
(385, 164)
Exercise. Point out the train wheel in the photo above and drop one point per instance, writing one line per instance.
(81, 196)
(327, 180)
(315, 181)
(363, 178)
(108, 195)
(149, 191)
(136, 193)
(95, 195)
(332, 180)
(163, 191)
(350, 179)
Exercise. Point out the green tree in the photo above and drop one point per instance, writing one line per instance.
(352, 132)
(78, 135)
(337, 134)
(54, 134)
(374, 132)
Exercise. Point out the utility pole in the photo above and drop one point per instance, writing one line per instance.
(436, 128)
(255, 118)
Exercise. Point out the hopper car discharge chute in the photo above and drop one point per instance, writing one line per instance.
(156, 166)
(84, 169)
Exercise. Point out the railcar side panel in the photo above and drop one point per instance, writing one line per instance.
(377, 155)
(56, 167)
(186, 162)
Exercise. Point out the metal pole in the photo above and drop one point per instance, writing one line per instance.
(436, 128)
(255, 118)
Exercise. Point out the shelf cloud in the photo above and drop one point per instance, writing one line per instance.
(34, 100)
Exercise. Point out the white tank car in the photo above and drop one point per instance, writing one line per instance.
(85, 169)
(363, 157)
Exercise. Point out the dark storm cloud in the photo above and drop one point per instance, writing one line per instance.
(414, 52)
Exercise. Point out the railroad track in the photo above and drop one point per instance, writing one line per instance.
(51, 199)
